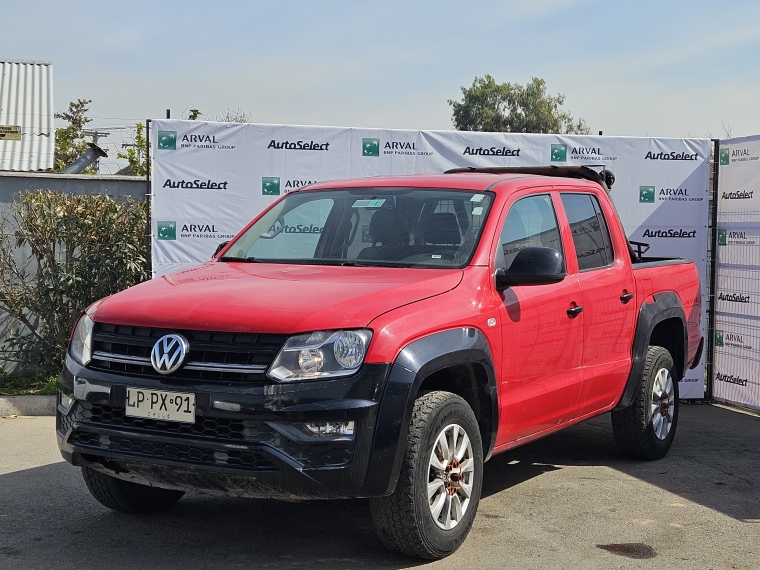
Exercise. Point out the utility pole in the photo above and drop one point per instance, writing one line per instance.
(95, 134)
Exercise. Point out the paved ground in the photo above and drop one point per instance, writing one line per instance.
(551, 504)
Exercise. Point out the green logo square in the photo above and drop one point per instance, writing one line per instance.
(646, 194)
(167, 230)
(721, 237)
(718, 338)
(559, 153)
(270, 185)
(370, 147)
(167, 140)
(725, 156)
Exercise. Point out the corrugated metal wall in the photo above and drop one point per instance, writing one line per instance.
(26, 100)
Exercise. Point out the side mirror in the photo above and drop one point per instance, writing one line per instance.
(532, 266)
(219, 248)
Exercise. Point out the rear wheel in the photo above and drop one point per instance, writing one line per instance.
(128, 497)
(646, 429)
(433, 506)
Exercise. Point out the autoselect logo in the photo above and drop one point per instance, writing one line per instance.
(370, 147)
(738, 195)
(673, 155)
(731, 379)
(646, 194)
(670, 233)
(558, 153)
(166, 231)
(734, 297)
(167, 140)
(490, 151)
(298, 145)
(270, 185)
(196, 184)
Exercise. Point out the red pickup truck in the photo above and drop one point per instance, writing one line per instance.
(382, 338)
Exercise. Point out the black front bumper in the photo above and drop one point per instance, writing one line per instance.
(243, 440)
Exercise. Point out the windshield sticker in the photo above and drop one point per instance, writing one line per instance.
(368, 203)
(434, 256)
(477, 211)
(478, 198)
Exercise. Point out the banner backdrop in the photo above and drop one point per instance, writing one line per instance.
(737, 305)
(210, 179)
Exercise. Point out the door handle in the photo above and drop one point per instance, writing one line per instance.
(573, 312)
(625, 297)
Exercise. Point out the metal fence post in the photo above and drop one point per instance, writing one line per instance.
(713, 267)
(149, 197)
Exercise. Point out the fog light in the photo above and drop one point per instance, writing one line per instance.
(65, 401)
(330, 428)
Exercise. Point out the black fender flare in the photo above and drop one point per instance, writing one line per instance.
(416, 361)
(666, 305)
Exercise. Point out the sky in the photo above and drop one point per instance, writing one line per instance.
(637, 68)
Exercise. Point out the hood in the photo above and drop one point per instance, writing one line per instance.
(272, 298)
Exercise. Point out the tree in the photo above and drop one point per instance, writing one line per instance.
(69, 140)
(137, 153)
(513, 108)
(234, 116)
(194, 114)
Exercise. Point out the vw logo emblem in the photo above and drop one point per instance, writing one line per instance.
(168, 353)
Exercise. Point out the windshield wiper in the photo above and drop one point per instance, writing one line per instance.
(240, 259)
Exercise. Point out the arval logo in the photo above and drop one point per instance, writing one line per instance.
(725, 156)
(166, 230)
(646, 194)
(370, 147)
(270, 185)
(718, 338)
(167, 140)
(721, 237)
(559, 153)
(168, 353)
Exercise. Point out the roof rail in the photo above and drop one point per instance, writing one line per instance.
(605, 177)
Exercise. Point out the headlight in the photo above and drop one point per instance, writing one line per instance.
(81, 341)
(320, 355)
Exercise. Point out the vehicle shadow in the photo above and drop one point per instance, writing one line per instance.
(49, 520)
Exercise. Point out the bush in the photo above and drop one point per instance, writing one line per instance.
(60, 253)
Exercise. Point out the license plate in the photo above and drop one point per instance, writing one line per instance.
(160, 405)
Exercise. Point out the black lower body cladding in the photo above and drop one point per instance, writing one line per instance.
(245, 440)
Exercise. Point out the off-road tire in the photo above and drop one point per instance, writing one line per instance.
(633, 427)
(403, 520)
(128, 497)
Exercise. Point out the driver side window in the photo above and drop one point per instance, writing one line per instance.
(531, 222)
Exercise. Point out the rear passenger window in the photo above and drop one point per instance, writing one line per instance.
(590, 234)
(531, 222)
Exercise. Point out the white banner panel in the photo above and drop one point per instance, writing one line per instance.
(737, 304)
(210, 179)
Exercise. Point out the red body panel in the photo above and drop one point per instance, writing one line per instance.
(551, 370)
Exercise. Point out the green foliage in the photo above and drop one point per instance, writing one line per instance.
(194, 114)
(513, 108)
(18, 385)
(69, 140)
(137, 155)
(64, 253)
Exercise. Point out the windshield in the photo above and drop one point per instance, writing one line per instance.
(397, 227)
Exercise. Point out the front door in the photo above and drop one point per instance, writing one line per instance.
(542, 342)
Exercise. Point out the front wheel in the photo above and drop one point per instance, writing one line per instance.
(646, 429)
(433, 506)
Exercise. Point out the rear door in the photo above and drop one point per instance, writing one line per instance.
(542, 343)
(609, 310)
